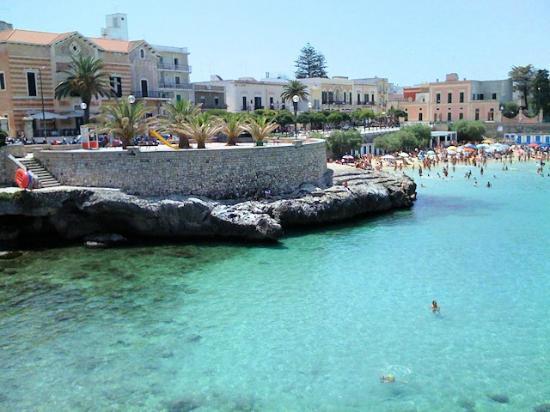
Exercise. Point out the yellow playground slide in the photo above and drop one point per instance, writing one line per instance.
(161, 139)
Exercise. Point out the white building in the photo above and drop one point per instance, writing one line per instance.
(116, 27)
(248, 94)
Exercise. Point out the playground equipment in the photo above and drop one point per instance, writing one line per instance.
(161, 139)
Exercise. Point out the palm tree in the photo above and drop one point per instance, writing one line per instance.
(178, 113)
(200, 127)
(260, 128)
(294, 88)
(86, 79)
(124, 120)
(233, 126)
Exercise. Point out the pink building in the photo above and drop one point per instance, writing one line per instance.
(456, 99)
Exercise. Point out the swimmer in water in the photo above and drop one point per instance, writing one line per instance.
(489, 185)
(389, 378)
(435, 306)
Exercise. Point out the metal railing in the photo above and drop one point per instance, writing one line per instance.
(174, 85)
(152, 94)
(175, 67)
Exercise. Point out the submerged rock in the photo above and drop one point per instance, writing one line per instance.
(183, 405)
(467, 404)
(543, 407)
(102, 217)
(498, 397)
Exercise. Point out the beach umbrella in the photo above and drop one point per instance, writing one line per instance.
(403, 154)
(469, 149)
(388, 157)
(451, 148)
(430, 152)
(470, 146)
(488, 140)
(482, 146)
(348, 157)
(534, 145)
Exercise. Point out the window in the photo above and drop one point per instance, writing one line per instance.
(461, 116)
(435, 117)
(144, 88)
(178, 97)
(142, 53)
(449, 97)
(176, 61)
(271, 104)
(449, 116)
(358, 98)
(216, 101)
(257, 103)
(461, 99)
(2, 81)
(372, 98)
(330, 97)
(491, 115)
(438, 98)
(116, 85)
(481, 96)
(494, 96)
(161, 60)
(477, 114)
(31, 83)
(244, 103)
(419, 117)
(365, 98)
(178, 80)
(324, 98)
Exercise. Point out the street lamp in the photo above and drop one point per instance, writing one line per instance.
(295, 100)
(131, 99)
(309, 106)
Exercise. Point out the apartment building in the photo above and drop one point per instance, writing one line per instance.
(32, 64)
(246, 93)
(455, 99)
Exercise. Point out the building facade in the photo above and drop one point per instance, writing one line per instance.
(341, 93)
(245, 94)
(454, 100)
(33, 63)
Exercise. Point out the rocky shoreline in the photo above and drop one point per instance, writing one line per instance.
(79, 214)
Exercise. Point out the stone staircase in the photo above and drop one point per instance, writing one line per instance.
(45, 178)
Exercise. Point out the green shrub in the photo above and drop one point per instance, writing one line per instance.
(341, 142)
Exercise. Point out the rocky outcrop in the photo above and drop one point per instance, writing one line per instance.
(74, 213)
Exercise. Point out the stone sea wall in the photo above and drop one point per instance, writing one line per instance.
(227, 173)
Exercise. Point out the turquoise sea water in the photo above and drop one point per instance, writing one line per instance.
(307, 325)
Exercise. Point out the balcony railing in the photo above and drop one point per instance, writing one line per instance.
(170, 85)
(152, 94)
(175, 67)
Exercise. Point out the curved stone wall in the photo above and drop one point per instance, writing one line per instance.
(221, 173)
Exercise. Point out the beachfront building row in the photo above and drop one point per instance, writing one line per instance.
(32, 64)
(455, 99)
(337, 93)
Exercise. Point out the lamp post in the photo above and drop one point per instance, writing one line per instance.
(42, 98)
(131, 99)
(295, 100)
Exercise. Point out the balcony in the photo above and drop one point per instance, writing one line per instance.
(175, 67)
(174, 85)
(152, 94)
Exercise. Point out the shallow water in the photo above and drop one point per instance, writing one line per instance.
(309, 324)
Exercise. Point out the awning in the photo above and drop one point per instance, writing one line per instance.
(47, 116)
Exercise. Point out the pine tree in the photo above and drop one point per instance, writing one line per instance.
(310, 63)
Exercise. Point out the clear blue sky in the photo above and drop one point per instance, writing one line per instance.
(407, 41)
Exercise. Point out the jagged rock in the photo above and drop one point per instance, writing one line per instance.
(95, 215)
(10, 254)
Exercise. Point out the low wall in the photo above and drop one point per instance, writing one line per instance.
(236, 172)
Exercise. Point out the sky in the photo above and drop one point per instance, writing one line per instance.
(409, 42)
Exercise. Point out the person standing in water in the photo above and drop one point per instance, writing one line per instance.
(435, 306)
